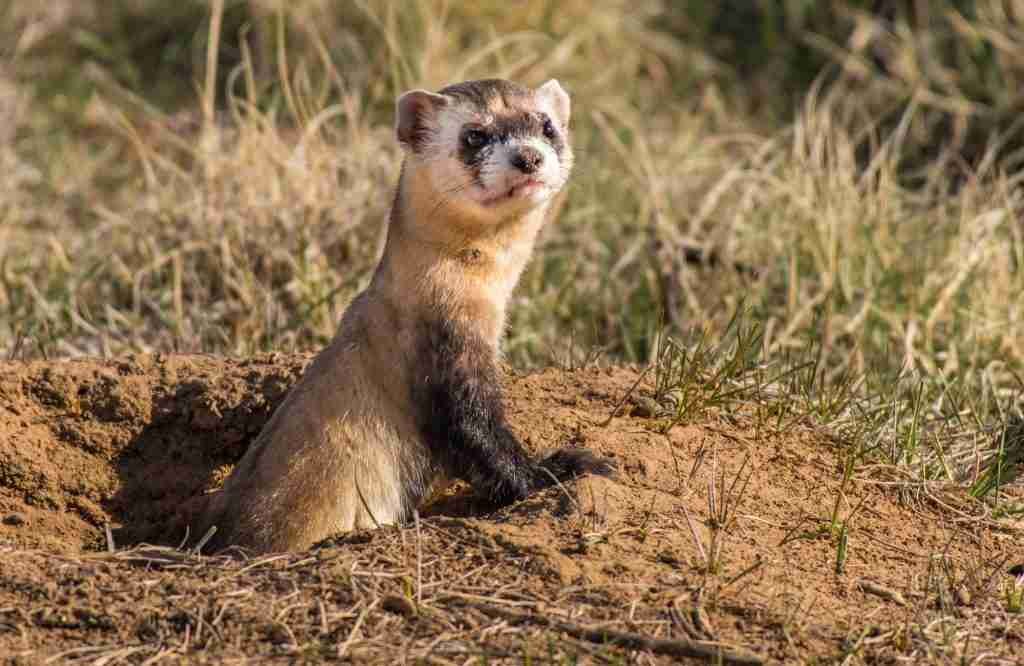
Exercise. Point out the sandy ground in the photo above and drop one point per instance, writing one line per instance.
(716, 539)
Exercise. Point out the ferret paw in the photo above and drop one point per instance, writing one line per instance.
(566, 464)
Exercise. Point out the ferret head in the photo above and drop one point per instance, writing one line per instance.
(483, 152)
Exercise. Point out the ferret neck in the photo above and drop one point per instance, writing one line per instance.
(438, 267)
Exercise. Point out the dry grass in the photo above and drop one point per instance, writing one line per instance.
(881, 238)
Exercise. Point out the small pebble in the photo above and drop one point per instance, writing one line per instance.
(399, 605)
(644, 407)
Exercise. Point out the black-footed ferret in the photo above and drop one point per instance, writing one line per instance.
(407, 395)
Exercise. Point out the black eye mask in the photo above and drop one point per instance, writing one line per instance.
(476, 142)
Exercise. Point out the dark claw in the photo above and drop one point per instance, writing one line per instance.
(566, 464)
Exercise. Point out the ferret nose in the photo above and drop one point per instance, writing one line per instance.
(527, 159)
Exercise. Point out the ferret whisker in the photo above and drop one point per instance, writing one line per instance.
(447, 196)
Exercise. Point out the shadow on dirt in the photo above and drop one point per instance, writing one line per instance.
(133, 443)
(136, 444)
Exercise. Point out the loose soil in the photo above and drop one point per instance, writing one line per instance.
(717, 537)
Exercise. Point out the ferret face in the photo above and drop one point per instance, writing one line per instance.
(489, 150)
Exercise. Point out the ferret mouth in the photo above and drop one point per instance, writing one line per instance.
(521, 190)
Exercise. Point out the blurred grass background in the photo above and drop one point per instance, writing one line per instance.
(175, 183)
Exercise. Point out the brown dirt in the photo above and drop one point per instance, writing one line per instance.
(135, 443)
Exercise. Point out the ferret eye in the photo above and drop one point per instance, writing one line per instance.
(549, 129)
(475, 138)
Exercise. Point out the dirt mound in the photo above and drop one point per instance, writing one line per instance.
(720, 532)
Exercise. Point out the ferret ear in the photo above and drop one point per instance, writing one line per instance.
(555, 95)
(413, 113)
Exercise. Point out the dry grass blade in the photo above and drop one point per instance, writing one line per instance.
(705, 650)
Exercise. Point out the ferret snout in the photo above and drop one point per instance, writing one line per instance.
(527, 159)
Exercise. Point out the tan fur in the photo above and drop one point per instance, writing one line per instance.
(332, 456)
